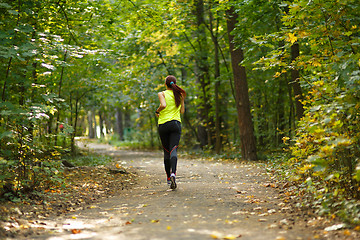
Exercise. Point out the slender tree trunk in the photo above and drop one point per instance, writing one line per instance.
(91, 125)
(59, 95)
(248, 144)
(295, 83)
(94, 122)
(127, 124)
(291, 119)
(101, 124)
(152, 119)
(280, 109)
(3, 96)
(119, 124)
(73, 135)
(217, 98)
(214, 38)
(107, 120)
(204, 128)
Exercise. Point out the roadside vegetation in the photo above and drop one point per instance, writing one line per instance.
(276, 81)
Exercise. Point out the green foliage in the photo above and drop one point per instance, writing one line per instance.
(326, 147)
(66, 63)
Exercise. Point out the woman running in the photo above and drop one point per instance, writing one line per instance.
(169, 124)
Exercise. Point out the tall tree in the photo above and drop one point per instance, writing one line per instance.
(295, 82)
(203, 77)
(248, 144)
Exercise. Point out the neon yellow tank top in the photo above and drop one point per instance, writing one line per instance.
(170, 112)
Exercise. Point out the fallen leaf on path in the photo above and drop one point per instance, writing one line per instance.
(284, 222)
(280, 238)
(168, 228)
(347, 232)
(155, 221)
(231, 222)
(241, 192)
(272, 226)
(272, 211)
(75, 231)
(229, 237)
(215, 235)
(141, 205)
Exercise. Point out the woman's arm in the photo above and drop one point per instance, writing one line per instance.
(162, 101)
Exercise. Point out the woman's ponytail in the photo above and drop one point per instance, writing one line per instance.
(179, 93)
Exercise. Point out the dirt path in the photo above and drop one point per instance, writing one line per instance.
(214, 200)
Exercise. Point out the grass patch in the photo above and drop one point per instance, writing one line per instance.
(89, 160)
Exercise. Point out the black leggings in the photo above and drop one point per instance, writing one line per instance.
(170, 133)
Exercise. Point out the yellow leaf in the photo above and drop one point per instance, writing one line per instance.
(214, 236)
(277, 74)
(347, 232)
(292, 38)
(357, 228)
(229, 237)
(316, 64)
(155, 221)
(74, 217)
(117, 165)
(168, 228)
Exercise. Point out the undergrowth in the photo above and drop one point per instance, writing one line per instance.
(312, 194)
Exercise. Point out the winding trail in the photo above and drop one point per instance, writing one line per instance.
(214, 200)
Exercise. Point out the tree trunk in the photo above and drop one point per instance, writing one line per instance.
(127, 125)
(204, 127)
(119, 124)
(101, 124)
(295, 83)
(91, 125)
(3, 96)
(214, 37)
(280, 109)
(73, 135)
(59, 95)
(248, 144)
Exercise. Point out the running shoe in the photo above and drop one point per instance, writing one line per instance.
(173, 183)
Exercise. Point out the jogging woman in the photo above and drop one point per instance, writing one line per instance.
(169, 125)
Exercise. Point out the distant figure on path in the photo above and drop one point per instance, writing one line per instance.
(169, 124)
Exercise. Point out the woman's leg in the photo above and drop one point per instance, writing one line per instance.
(164, 137)
(174, 143)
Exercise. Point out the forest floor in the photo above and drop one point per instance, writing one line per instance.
(130, 199)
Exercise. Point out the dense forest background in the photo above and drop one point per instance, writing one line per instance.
(272, 80)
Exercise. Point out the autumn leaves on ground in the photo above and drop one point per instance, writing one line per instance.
(129, 199)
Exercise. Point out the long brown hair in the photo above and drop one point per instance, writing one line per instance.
(179, 93)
